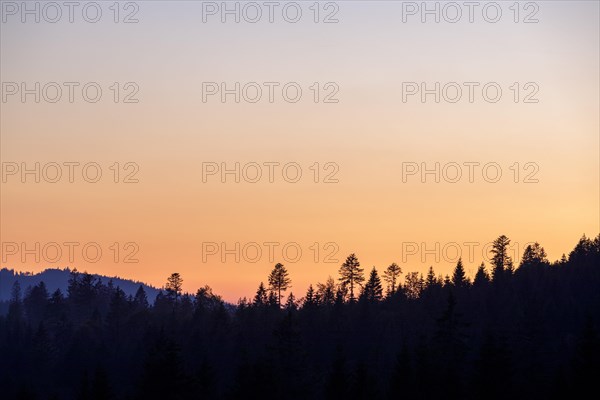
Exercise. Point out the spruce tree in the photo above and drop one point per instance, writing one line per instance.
(372, 291)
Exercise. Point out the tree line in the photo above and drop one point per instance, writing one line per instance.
(525, 331)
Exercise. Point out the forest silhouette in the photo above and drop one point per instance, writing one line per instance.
(527, 331)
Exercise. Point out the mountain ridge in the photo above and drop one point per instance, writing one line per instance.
(56, 278)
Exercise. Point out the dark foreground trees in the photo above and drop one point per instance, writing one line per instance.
(531, 333)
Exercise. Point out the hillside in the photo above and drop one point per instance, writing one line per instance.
(58, 279)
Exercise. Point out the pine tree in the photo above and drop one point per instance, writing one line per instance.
(534, 256)
(326, 292)
(459, 277)
(563, 259)
(291, 304)
(482, 278)
(140, 299)
(372, 291)
(351, 275)
(205, 299)
(341, 293)
(447, 281)
(279, 281)
(581, 251)
(174, 286)
(272, 300)
(391, 275)
(413, 285)
(261, 299)
(56, 306)
(501, 261)
(431, 280)
(309, 299)
(73, 282)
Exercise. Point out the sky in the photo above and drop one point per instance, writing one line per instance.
(364, 160)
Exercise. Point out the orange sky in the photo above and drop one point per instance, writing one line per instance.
(367, 137)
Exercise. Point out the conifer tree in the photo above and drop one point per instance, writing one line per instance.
(459, 277)
(174, 286)
(431, 280)
(279, 281)
(372, 291)
(391, 276)
(261, 298)
(501, 261)
(351, 274)
(481, 277)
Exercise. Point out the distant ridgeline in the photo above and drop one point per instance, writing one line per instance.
(59, 279)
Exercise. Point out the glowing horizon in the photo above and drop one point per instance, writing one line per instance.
(368, 141)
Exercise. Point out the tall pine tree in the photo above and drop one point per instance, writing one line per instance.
(351, 274)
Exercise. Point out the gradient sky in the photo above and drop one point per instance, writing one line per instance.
(369, 134)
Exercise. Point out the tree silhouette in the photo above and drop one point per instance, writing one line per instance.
(279, 281)
(261, 298)
(206, 300)
(309, 299)
(326, 292)
(501, 262)
(141, 299)
(481, 277)
(431, 280)
(582, 251)
(291, 303)
(447, 281)
(533, 256)
(372, 290)
(459, 278)
(413, 285)
(174, 286)
(351, 275)
(391, 275)
(272, 299)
